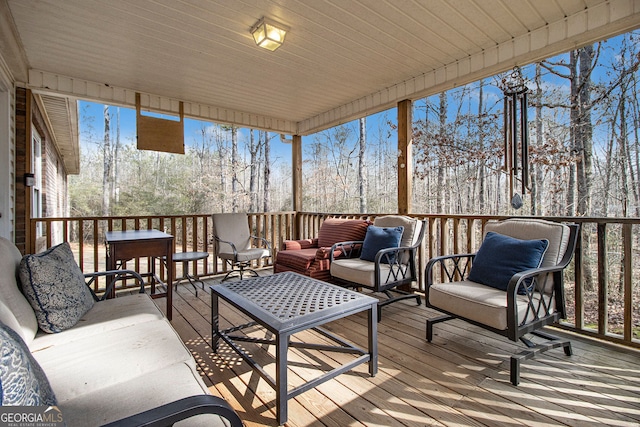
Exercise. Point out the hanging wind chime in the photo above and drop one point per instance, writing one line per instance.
(516, 135)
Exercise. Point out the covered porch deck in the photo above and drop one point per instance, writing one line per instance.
(460, 379)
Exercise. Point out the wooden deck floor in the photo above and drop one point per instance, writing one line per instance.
(460, 379)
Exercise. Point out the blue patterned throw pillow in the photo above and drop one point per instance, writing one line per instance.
(22, 381)
(54, 286)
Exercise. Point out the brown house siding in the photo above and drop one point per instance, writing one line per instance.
(54, 179)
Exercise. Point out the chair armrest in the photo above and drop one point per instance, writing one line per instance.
(263, 240)
(118, 275)
(289, 245)
(452, 266)
(348, 249)
(167, 415)
(389, 252)
(233, 246)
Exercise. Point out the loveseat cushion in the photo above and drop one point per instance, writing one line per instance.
(298, 260)
(334, 230)
(17, 305)
(22, 380)
(296, 245)
(55, 287)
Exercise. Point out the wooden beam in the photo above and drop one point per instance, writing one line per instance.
(405, 158)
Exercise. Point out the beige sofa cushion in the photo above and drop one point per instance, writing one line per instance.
(117, 401)
(477, 302)
(78, 367)
(105, 316)
(10, 294)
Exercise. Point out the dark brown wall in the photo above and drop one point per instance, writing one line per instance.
(20, 231)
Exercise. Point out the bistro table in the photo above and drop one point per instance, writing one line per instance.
(125, 245)
(287, 303)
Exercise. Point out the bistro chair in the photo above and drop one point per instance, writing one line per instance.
(512, 286)
(235, 244)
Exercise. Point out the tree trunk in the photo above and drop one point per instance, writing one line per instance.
(584, 141)
(253, 167)
(441, 169)
(107, 162)
(362, 167)
(234, 168)
(267, 173)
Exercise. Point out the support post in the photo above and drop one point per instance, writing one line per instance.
(405, 156)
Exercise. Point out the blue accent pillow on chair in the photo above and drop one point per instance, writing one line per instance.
(378, 238)
(54, 285)
(500, 257)
(22, 380)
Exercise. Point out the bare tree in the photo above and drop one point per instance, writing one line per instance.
(362, 166)
(107, 164)
(267, 172)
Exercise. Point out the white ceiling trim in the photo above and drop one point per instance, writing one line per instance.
(49, 83)
(590, 25)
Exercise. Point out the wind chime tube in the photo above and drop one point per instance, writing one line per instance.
(514, 132)
(524, 122)
(507, 155)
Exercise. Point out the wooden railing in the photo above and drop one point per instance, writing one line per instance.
(601, 284)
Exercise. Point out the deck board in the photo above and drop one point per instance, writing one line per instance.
(460, 379)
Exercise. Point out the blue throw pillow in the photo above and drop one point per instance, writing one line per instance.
(378, 238)
(500, 257)
(22, 380)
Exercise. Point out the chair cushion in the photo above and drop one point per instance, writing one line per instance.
(359, 271)
(378, 238)
(54, 286)
(500, 257)
(478, 302)
(334, 230)
(527, 229)
(411, 227)
(22, 380)
(247, 254)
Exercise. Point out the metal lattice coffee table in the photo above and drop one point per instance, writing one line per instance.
(287, 303)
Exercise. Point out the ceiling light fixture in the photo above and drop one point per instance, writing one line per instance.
(268, 33)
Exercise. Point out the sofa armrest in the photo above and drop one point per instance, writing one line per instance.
(167, 415)
(292, 245)
(117, 275)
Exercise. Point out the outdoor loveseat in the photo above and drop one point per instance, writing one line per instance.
(117, 360)
(312, 257)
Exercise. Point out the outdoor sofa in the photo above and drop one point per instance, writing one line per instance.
(115, 361)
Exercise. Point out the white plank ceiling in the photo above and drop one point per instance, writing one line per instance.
(342, 58)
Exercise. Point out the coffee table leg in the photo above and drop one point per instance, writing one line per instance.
(373, 339)
(215, 324)
(282, 396)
